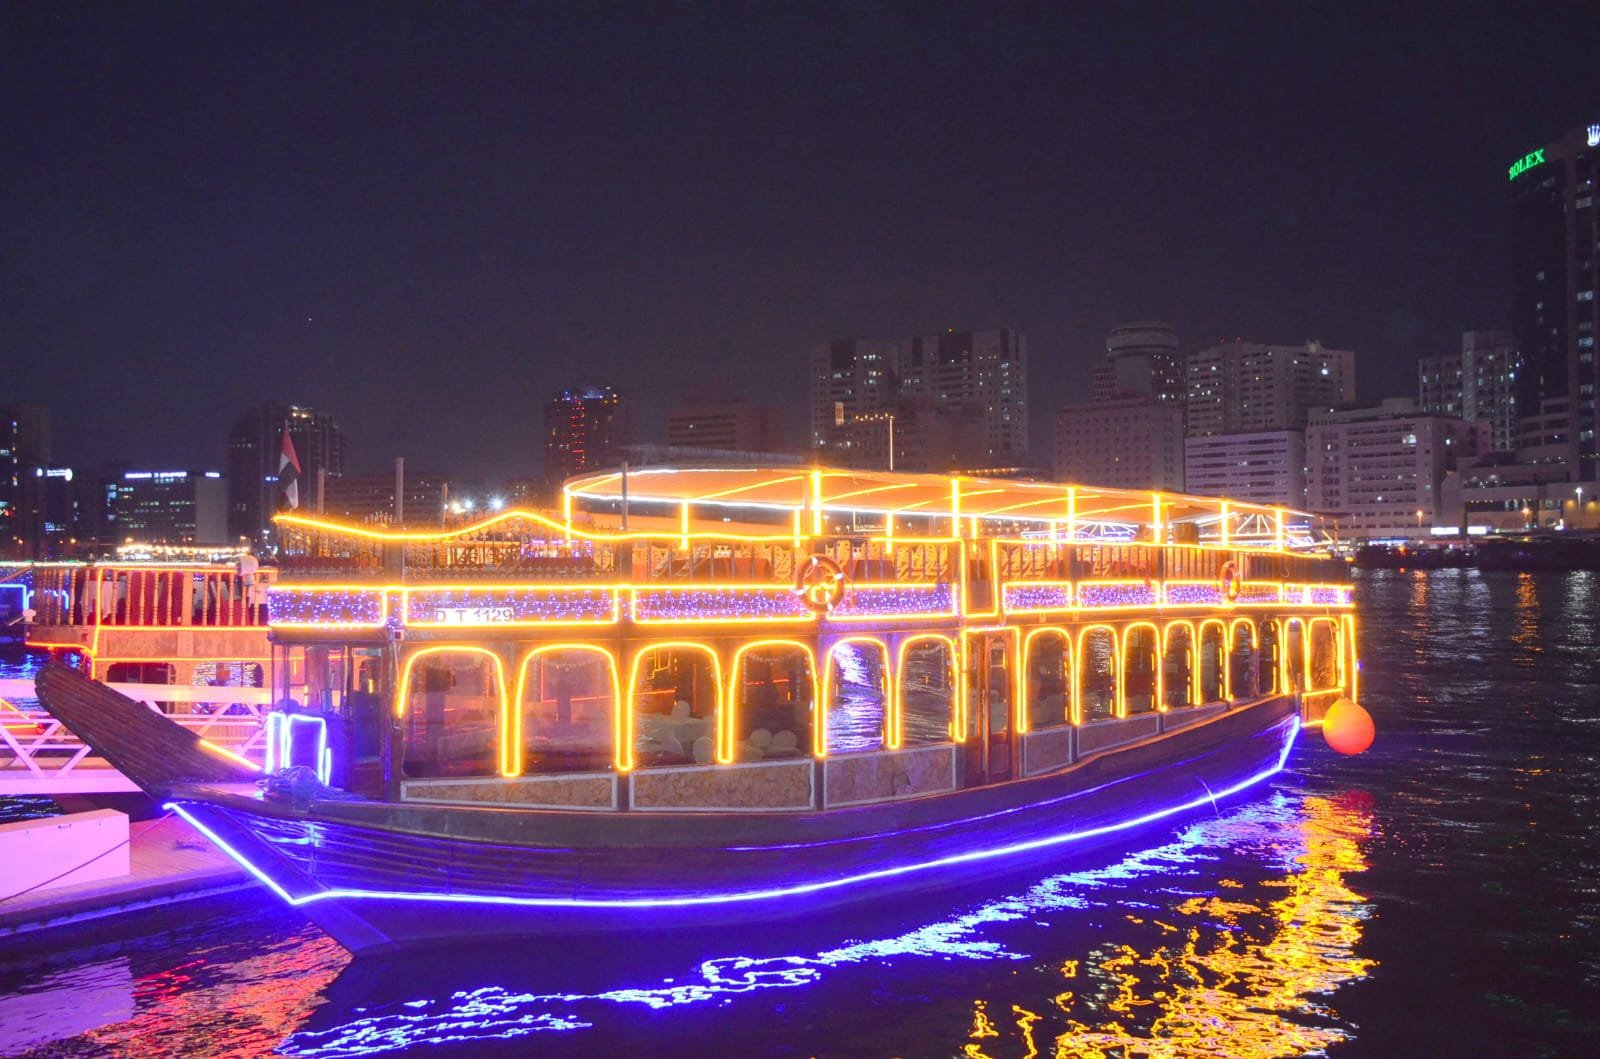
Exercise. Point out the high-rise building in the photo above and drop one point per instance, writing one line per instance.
(728, 425)
(24, 449)
(585, 429)
(1250, 387)
(984, 370)
(370, 498)
(1123, 443)
(1268, 467)
(172, 507)
(254, 447)
(1479, 383)
(1555, 287)
(1379, 471)
(1142, 360)
(925, 437)
(95, 507)
(849, 377)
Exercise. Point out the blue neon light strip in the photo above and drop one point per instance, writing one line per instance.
(741, 896)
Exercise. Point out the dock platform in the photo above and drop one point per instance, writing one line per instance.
(169, 862)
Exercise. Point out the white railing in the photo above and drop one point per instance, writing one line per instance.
(47, 757)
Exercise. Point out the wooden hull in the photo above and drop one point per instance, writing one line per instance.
(380, 877)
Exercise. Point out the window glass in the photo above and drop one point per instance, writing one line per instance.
(773, 711)
(858, 698)
(674, 707)
(1097, 675)
(568, 711)
(1139, 670)
(1049, 680)
(1211, 656)
(1178, 675)
(452, 716)
(927, 693)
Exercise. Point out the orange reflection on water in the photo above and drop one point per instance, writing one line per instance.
(1247, 974)
(222, 1005)
(1528, 635)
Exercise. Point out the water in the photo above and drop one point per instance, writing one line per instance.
(1437, 895)
(18, 664)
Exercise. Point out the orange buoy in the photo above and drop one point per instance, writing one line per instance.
(1348, 727)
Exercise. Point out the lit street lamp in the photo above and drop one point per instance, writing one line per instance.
(1577, 515)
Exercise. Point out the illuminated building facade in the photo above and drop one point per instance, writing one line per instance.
(982, 370)
(1555, 287)
(1248, 387)
(1480, 384)
(1380, 471)
(585, 429)
(925, 436)
(1125, 443)
(1268, 467)
(369, 498)
(728, 425)
(254, 448)
(849, 377)
(1142, 360)
(24, 449)
(172, 507)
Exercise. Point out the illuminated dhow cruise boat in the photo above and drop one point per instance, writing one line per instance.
(701, 695)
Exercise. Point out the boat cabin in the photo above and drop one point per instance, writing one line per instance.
(786, 639)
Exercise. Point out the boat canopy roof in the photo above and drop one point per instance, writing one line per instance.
(833, 490)
(760, 503)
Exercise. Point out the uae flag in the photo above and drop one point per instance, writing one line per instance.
(288, 474)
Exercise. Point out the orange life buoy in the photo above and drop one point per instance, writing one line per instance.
(820, 583)
(1229, 580)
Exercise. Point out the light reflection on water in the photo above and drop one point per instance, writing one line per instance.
(1438, 894)
(1238, 979)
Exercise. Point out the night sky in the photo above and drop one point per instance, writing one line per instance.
(426, 219)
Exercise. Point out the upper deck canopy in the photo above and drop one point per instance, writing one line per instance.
(836, 491)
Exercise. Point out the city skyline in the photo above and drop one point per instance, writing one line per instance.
(422, 222)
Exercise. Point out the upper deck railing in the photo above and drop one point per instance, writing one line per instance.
(522, 569)
(149, 595)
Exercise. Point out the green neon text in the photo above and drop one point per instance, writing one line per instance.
(1525, 163)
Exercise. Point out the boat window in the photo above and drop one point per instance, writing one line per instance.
(568, 710)
(140, 673)
(364, 698)
(1211, 657)
(1267, 660)
(1049, 680)
(772, 717)
(1097, 675)
(1139, 656)
(228, 674)
(1324, 655)
(927, 692)
(1178, 667)
(857, 697)
(675, 699)
(452, 718)
(1242, 663)
(1295, 646)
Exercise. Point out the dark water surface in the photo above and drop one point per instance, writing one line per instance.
(1435, 896)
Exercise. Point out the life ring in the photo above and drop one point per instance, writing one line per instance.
(1229, 580)
(820, 583)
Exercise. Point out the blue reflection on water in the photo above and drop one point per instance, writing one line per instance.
(1264, 828)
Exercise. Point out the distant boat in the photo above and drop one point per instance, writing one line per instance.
(699, 696)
